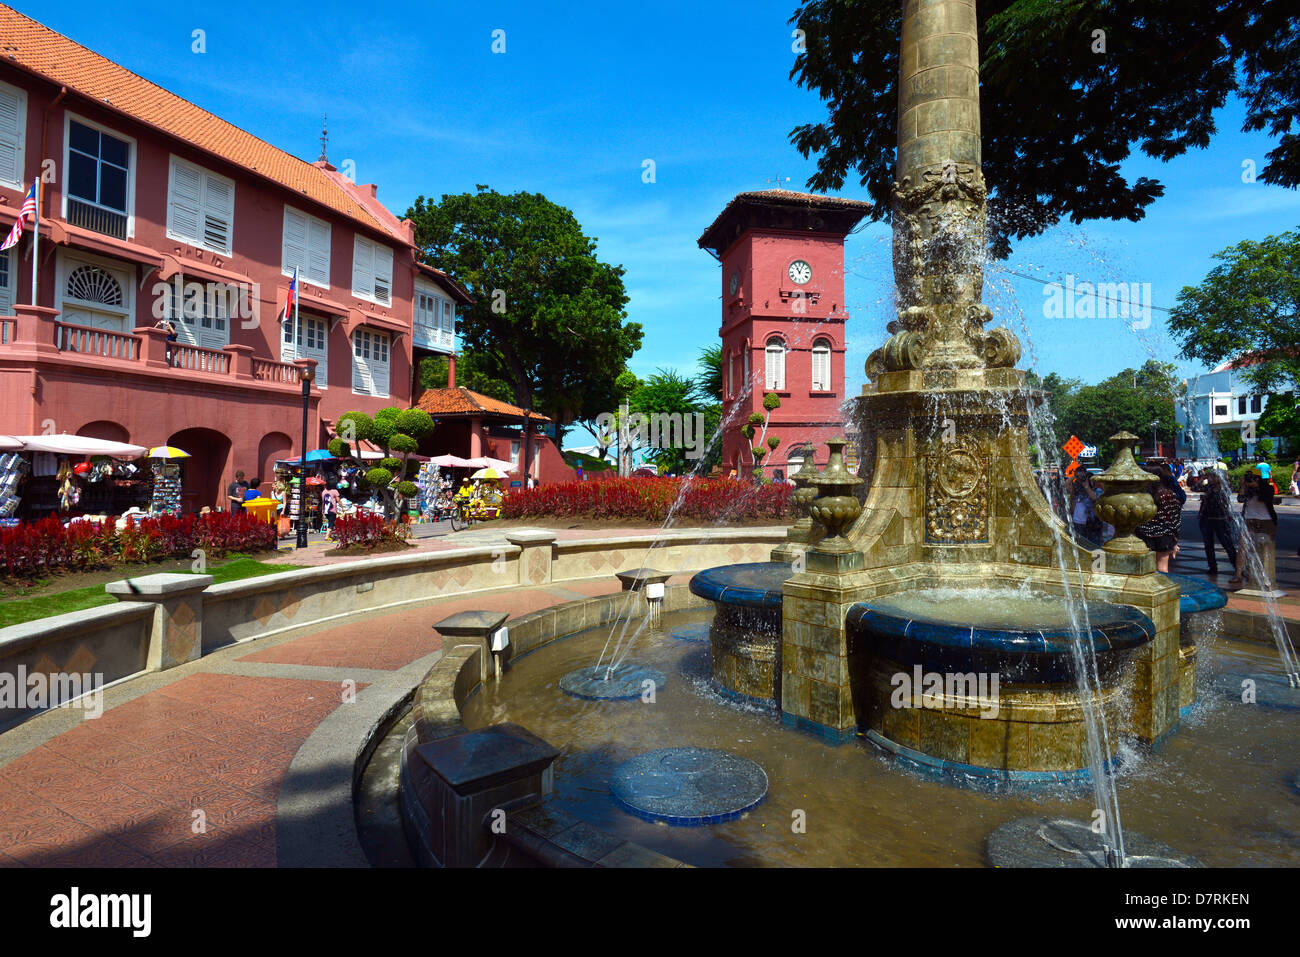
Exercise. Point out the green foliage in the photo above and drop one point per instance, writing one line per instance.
(708, 380)
(403, 443)
(1058, 119)
(390, 463)
(1229, 440)
(1264, 448)
(407, 489)
(1250, 304)
(362, 426)
(759, 452)
(1281, 418)
(771, 402)
(756, 418)
(772, 442)
(667, 392)
(415, 423)
(549, 317)
(471, 372)
(340, 449)
(1127, 401)
(747, 430)
(379, 478)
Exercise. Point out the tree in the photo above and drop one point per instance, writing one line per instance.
(1061, 106)
(548, 318)
(470, 373)
(765, 445)
(1127, 401)
(668, 397)
(393, 430)
(1281, 418)
(1248, 306)
(1229, 440)
(708, 381)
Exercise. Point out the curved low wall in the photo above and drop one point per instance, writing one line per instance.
(166, 620)
(528, 833)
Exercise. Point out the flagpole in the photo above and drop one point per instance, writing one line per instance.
(36, 237)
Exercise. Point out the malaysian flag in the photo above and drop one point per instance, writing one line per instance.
(28, 210)
(293, 295)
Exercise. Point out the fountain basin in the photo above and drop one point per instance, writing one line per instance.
(745, 636)
(1025, 639)
(982, 682)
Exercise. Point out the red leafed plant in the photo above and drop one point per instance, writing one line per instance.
(653, 499)
(368, 531)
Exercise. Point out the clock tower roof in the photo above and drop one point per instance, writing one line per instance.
(782, 209)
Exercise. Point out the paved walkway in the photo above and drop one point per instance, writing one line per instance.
(243, 758)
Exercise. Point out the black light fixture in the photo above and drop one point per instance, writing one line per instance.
(302, 463)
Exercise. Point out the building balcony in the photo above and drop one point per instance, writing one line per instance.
(35, 337)
(96, 218)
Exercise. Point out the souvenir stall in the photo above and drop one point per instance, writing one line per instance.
(69, 476)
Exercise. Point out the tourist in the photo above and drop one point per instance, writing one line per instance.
(1257, 509)
(1083, 496)
(1295, 479)
(1161, 532)
(1215, 519)
(330, 501)
(169, 327)
(235, 492)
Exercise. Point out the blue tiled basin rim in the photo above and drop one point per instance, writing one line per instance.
(1113, 628)
(1197, 594)
(752, 584)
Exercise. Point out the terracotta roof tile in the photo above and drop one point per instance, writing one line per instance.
(462, 401)
(40, 50)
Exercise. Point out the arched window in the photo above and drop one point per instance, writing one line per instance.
(776, 364)
(731, 375)
(821, 366)
(92, 284)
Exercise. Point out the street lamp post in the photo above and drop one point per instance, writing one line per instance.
(302, 463)
(1155, 445)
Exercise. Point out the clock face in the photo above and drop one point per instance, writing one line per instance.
(735, 282)
(800, 272)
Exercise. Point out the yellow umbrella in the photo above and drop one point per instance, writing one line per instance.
(168, 452)
(490, 474)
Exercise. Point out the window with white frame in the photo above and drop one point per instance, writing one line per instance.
(200, 207)
(313, 336)
(13, 130)
(200, 312)
(97, 183)
(745, 384)
(821, 366)
(370, 362)
(434, 323)
(306, 245)
(776, 364)
(731, 375)
(372, 271)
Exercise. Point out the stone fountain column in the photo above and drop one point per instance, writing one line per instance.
(945, 424)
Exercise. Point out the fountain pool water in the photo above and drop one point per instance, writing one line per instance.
(1219, 790)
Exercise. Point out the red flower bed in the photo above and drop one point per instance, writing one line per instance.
(652, 499)
(47, 546)
(367, 531)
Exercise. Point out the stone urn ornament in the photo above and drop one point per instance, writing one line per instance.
(1126, 503)
(805, 490)
(835, 507)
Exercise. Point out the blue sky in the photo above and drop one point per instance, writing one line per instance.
(585, 92)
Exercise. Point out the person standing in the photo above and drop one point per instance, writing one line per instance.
(235, 492)
(1161, 532)
(1215, 520)
(1082, 499)
(1261, 519)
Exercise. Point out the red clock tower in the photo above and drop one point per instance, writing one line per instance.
(783, 316)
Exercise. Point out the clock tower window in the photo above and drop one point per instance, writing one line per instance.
(776, 364)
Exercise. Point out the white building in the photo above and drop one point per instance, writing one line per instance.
(1218, 401)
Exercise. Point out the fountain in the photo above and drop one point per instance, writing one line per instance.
(953, 572)
(944, 615)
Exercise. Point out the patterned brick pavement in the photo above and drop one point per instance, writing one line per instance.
(123, 790)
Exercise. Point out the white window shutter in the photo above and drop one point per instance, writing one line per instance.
(363, 268)
(383, 285)
(379, 365)
(360, 370)
(186, 201)
(318, 252)
(295, 240)
(218, 213)
(13, 119)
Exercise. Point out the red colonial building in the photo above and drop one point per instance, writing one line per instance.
(783, 318)
(153, 208)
